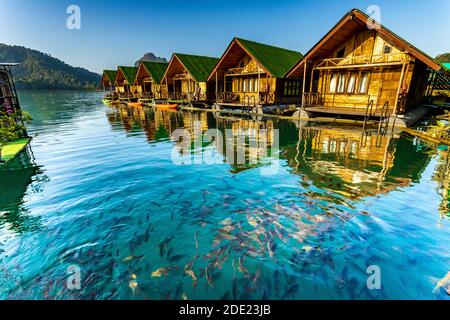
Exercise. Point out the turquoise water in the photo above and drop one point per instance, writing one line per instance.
(98, 190)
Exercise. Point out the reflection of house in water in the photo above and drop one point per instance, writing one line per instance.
(15, 179)
(246, 143)
(348, 162)
(442, 177)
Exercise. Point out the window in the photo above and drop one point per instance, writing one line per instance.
(351, 83)
(341, 83)
(256, 84)
(333, 83)
(341, 53)
(387, 49)
(292, 88)
(363, 82)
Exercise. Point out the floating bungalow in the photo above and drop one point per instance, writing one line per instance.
(149, 78)
(124, 83)
(108, 80)
(253, 74)
(361, 68)
(186, 78)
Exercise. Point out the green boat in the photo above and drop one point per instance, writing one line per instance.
(9, 105)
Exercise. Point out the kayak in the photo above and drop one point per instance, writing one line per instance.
(110, 102)
(166, 106)
(135, 104)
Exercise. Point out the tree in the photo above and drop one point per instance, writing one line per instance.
(12, 127)
(443, 58)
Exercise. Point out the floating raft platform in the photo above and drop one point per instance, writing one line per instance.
(13, 148)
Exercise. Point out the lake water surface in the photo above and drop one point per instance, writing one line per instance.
(99, 191)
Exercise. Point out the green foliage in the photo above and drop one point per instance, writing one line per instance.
(41, 71)
(443, 58)
(12, 126)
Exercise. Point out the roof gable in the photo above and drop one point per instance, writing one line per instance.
(155, 69)
(274, 60)
(277, 61)
(199, 67)
(357, 20)
(129, 73)
(109, 75)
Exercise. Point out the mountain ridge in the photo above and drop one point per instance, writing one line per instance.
(38, 70)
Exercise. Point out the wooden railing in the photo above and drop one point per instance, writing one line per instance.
(362, 60)
(147, 95)
(312, 98)
(176, 96)
(196, 96)
(238, 71)
(267, 97)
(227, 97)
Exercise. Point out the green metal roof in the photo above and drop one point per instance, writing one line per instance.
(156, 70)
(129, 73)
(277, 61)
(198, 66)
(111, 75)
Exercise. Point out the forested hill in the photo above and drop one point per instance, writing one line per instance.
(38, 70)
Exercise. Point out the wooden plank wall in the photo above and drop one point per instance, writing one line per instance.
(383, 81)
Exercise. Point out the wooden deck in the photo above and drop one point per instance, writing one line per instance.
(346, 111)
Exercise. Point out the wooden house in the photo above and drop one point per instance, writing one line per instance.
(186, 77)
(108, 80)
(251, 73)
(360, 67)
(125, 81)
(149, 78)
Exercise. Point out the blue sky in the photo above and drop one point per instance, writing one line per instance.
(119, 32)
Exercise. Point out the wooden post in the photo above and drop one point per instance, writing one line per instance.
(259, 85)
(312, 76)
(400, 86)
(304, 84)
(217, 86)
(189, 88)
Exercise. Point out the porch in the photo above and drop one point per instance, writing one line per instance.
(315, 102)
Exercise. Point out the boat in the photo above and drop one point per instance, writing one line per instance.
(135, 104)
(10, 105)
(166, 106)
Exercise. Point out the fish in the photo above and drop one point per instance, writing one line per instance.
(188, 270)
(169, 253)
(196, 240)
(226, 229)
(291, 291)
(252, 221)
(444, 283)
(241, 267)
(163, 245)
(176, 258)
(208, 277)
(128, 259)
(161, 272)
